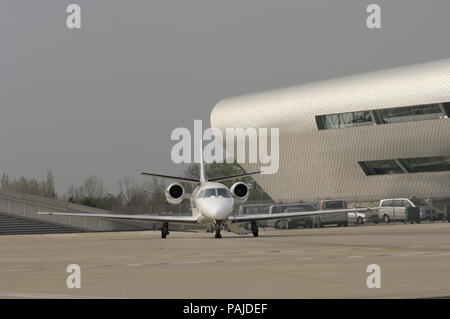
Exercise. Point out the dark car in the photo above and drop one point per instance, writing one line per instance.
(294, 222)
(427, 211)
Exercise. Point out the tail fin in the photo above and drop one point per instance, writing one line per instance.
(202, 166)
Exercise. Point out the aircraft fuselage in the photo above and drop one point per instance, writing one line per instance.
(212, 202)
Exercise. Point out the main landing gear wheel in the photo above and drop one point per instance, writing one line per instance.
(165, 230)
(255, 229)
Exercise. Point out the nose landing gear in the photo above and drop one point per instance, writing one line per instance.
(164, 230)
(255, 229)
(218, 227)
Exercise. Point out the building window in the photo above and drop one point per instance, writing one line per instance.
(412, 113)
(426, 164)
(406, 165)
(381, 167)
(446, 108)
(351, 119)
(384, 116)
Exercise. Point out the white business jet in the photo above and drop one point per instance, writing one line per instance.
(212, 204)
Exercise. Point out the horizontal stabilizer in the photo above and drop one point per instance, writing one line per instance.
(232, 177)
(174, 178)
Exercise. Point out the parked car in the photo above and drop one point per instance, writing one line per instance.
(427, 211)
(356, 218)
(295, 222)
(254, 209)
(340, 219)
(395, 209)
(284, 223)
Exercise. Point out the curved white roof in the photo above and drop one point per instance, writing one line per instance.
(409, 85)
(324, 163)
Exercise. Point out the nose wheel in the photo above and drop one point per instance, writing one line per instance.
(255, 229)
(217, 227)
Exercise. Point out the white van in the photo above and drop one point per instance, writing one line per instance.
(393, 210)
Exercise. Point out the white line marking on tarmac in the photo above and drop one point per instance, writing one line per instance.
(133, 265)
(257, 258)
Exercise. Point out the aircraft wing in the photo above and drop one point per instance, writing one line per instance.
(151, 218)
(250, 218)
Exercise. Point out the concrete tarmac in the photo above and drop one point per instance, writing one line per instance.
(300, 263)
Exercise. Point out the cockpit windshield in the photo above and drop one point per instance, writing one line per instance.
(223, 192)
(210, 192)
(214, 192)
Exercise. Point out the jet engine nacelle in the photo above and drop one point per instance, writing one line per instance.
(240, 191)
(174, 193)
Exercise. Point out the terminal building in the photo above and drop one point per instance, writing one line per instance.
(383, 134)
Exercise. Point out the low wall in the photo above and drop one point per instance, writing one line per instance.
(26, 205)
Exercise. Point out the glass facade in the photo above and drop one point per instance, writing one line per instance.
(384, 116)
(381, 167)
(446, 108)
(426, 164)
(406, 165)
(344, 120)
(411, 113)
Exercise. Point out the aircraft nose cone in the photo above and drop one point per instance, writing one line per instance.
(226, 208)
(219, 208)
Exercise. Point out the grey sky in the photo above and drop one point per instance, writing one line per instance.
(104, 99)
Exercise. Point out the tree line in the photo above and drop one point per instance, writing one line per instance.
(132, 196)
(44, 188)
